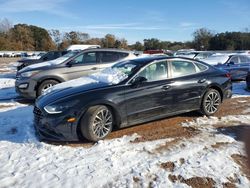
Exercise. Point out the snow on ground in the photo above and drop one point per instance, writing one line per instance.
(26, 162)
(240, 89)
(7, 88)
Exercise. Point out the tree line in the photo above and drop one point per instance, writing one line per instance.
(32, 38)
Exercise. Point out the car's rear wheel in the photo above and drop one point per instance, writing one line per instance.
(97, 123)
(45, 85)
(210, 102)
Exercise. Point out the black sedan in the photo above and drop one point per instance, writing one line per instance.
(131, 92)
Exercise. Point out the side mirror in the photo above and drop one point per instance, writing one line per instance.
(231, 63)
(139, 80)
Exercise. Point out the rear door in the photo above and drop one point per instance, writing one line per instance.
(187, 84)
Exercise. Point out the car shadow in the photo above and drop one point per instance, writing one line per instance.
(235, 132)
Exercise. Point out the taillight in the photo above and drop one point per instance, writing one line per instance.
(228, 75)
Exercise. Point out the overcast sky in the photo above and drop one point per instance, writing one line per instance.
(135, 20)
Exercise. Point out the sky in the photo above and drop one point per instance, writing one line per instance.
(134, 20)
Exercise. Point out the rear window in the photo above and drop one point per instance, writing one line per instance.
(123, 55)
(201, 67)
(107, 57)
(182, 68)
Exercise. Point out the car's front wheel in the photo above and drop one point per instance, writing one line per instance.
(45, 85)
(97, 123)
(210, 102)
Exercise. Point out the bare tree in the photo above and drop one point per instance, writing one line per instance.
(5, 25)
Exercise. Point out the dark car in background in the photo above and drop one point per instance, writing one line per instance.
(45, 57)
(147, 89)
(248, 79)
(33, 80)
(236, 65)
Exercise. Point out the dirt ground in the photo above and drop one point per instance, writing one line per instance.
(5, 60)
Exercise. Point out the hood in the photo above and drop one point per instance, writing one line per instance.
(45, 64)
(68, 91)
(105, 78)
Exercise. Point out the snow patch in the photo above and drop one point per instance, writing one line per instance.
(108, 75)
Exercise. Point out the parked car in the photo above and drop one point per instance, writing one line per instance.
(236, 65)
(141, 90)
(200, 55)
(33, 80)
(81, 47)
(248, 79)
(36, 55)
(46, 57)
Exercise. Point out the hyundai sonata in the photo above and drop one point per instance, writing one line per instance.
(130, 92)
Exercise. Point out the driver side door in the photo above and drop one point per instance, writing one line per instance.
(82, 65)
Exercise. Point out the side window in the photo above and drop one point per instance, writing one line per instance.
(47, 56)
(123, 55)
(57, 54)
(89, 57)
(182, 68)
(243, 59)
(155, 71)
(201, 67)
(78, 59)
(234, 60)
(107, 57)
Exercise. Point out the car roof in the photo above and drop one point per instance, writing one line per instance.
(149, 59)
(107, 50)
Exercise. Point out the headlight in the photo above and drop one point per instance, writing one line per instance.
(29, 73)
(59, 108)
(54, 109)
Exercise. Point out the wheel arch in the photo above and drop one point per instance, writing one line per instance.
(116, 114)
(212, 86)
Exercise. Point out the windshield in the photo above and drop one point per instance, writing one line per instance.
(218, 58)
(117, 73)
(71, 53)
(127, 67)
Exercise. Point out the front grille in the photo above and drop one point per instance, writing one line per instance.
(20, 67)
(37, 114)
(18, 77)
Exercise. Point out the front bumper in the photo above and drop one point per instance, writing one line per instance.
(54, 127)
(27, 92)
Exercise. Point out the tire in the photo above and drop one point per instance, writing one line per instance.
(45, 85)
(97, 123)
(211, 102)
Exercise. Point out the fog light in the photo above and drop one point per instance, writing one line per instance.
(71, 120)
(23, 86)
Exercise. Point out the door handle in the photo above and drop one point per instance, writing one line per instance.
(202, 81)
(166, 87)
(94, 68)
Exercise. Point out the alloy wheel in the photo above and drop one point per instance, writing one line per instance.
(102, 123)
(212, 102)
(47, 86)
